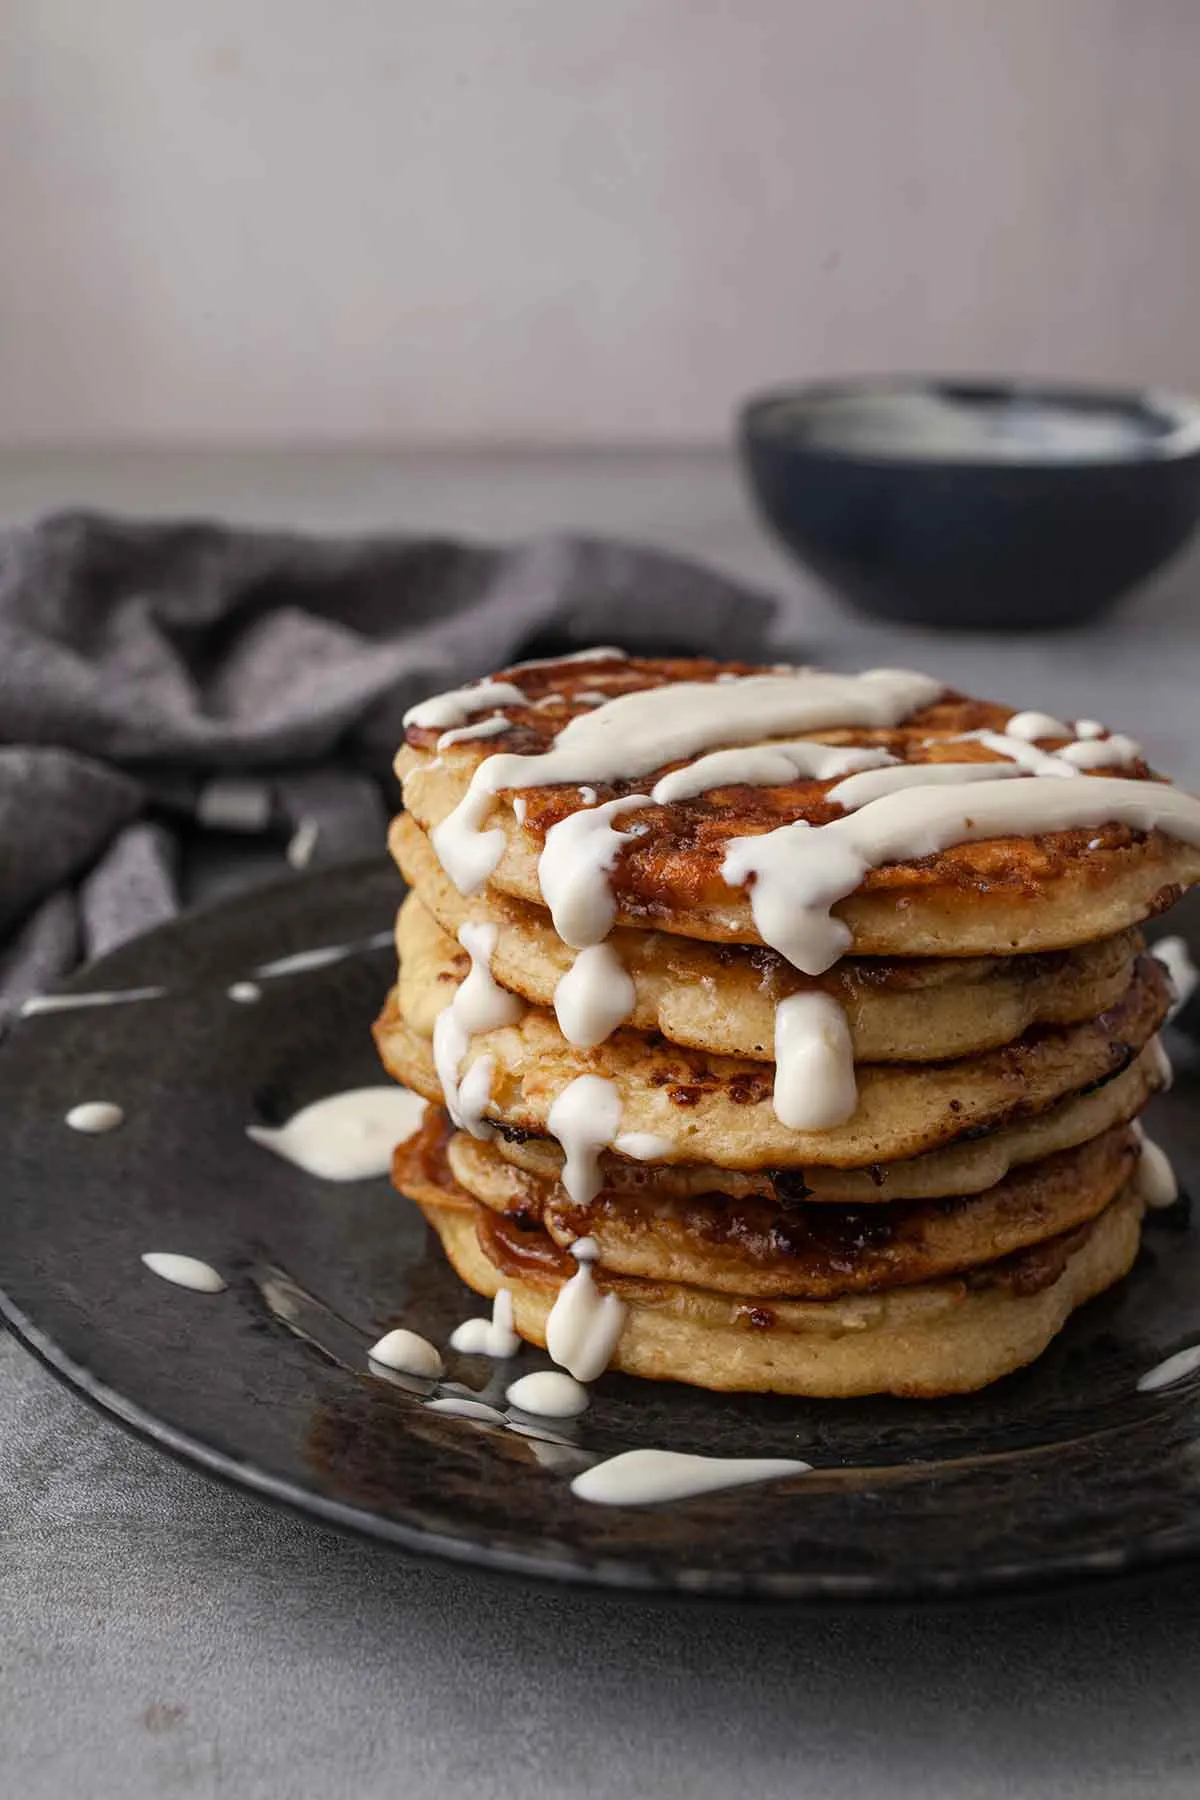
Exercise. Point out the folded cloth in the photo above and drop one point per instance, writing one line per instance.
(159, 681)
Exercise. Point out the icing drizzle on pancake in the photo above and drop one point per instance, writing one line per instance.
(638, 732)
(444, 712)
(585, 1118)
(800, 871)
(479, 1004)
(1026, 756)
(1091, 749)
(484, 728)
(1033, 725)
(1102, 753)
(643, 1146)
(596, 653)
(860, 790)
(623, 738)
(797, 873)
(574, 866)
(766, 765)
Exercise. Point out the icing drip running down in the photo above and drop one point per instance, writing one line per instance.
(593, 997)
(815, 1087)
(650, 1477)
(474, 1097)
(584, 1325)
(1176, 958)
(1162, 1063)
(408, 1353)
(801, 871)
(797, 874)
(479, 1004)
(635, 733)
(184, 1271)
(345, 1137)
(585, 1118)
(574, 866)
(549, 1392)
(489, 1337)
(95, 1116)
(1174, 1369)
(1155, 1176)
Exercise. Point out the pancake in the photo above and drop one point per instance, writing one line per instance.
(1002, 894)
(810, 1010)
(714, 1109)
(948, 1337)
(757, 1248)
(723, 997)
(964, 1168)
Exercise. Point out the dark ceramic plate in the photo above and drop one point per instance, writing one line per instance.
(1061, 1472)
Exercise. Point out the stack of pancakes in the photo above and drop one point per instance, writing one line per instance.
(892, 1155)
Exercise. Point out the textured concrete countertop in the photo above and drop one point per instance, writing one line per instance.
(162, 1636)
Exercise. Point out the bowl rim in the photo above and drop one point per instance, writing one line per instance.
(1180, 442)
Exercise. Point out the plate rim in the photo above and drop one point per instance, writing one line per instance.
(615, 1575)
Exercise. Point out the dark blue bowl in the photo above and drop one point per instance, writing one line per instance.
(986, 505)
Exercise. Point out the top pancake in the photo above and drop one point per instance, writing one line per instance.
(1049, 891)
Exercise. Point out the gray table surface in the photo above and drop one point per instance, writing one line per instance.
(162, 1636)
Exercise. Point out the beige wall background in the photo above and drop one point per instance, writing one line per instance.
(577, 220)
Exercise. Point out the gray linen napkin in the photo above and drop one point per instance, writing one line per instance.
(164, 682)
